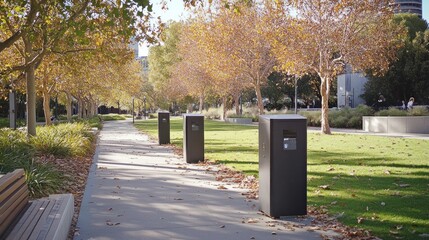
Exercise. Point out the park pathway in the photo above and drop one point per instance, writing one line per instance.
(137, 189)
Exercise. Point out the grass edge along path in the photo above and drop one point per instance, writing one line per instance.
(376, 183)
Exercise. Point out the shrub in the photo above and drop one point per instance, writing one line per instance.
(14, 149)
(113, 117)
(419, 111)
(364, 110)
(16, 152)
(313, 117)
(340, 121)
(212, 113)
(41, 179)
(71, 139)
(391, 112)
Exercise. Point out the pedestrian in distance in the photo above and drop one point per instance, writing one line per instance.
(410, 103)
(403, 106)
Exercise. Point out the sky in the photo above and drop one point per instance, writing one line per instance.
(175, 12)
(425, 7)
(176, 9)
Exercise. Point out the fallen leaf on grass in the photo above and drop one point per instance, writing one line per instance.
(360, 219)
(424, 235)
(387, 172)
(331, 169)
(325, 187)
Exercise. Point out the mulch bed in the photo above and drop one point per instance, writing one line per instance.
(75, 171)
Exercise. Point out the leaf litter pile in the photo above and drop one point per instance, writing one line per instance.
(75, 172)
(320, 219)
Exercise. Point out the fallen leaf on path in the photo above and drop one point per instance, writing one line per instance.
(223, 226)
(252, 220)
(222, 187)
(178, 199)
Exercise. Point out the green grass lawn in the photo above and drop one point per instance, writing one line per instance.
(382, 181)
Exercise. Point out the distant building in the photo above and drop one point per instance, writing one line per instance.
(409, 6)
(144, 63)
(134, 45)
(350, 86)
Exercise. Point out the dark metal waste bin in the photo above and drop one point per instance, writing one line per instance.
(163, 127)
(193, 138)
(283, 165)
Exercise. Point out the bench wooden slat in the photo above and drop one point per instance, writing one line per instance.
(7, 179)
(14, 197)
(17, 184)
(30, 224)
(25, 221)
(9, 215)
(38, 226)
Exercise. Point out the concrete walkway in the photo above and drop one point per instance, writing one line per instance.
(137, 189)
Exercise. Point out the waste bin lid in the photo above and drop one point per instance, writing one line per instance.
(193, 115)
(283, 116)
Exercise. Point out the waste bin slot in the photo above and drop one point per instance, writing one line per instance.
(289, 140)
(195, 127)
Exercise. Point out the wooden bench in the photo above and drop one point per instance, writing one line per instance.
(46, 218)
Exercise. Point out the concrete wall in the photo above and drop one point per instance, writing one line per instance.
(408, 124)
(239, 120)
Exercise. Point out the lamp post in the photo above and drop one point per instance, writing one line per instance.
(133, 110)
(296, 94)
(144, 107)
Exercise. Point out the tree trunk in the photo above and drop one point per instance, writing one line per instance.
(259, 97)
(31, 90)
(80, 108)
(94, 108)
(190, 108)
(84, 109)
(47, 107)
(69, 102)
(224, 108)
(201, 105)
(237, 103)
(324, 90)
